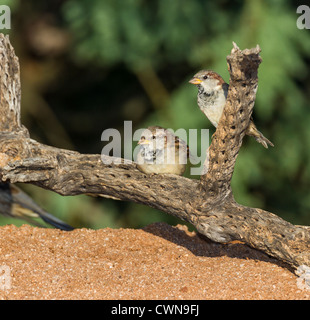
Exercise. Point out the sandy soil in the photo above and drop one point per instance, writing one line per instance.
(157, 262)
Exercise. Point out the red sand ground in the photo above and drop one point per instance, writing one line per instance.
(157, 262)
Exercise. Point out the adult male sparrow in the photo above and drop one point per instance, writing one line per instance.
(161, 152)
(212, 95)
(17, 204)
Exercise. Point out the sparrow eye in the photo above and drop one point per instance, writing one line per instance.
(153, 137)
(205, 77)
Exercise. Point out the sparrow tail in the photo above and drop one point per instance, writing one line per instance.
(258, 136)
(57, 223)
(27, 212)
(16, 203)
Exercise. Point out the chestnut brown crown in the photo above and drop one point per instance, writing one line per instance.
(204, 75)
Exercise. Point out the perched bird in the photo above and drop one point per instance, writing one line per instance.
(212, 95)
(17, 204)
(161, 152)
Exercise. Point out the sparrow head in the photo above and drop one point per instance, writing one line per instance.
(153, 136)
(156, 137)
(207, 80)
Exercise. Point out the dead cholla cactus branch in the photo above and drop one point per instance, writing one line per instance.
(207, 203)
(227, 140)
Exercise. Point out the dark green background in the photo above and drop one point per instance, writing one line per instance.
(89, 65)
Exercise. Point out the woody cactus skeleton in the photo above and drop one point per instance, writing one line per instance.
(207, 203)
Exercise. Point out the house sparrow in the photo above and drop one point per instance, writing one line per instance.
(161, 152)
(17, 204)
(212, 95)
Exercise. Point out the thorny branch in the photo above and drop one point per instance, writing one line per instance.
(207, 203)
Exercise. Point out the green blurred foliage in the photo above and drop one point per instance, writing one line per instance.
(89, 65)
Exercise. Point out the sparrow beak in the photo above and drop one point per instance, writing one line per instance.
(144, 142)
(195, 81)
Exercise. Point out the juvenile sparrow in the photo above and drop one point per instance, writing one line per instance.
(17, 204)
(212, 95)
(161, 152)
